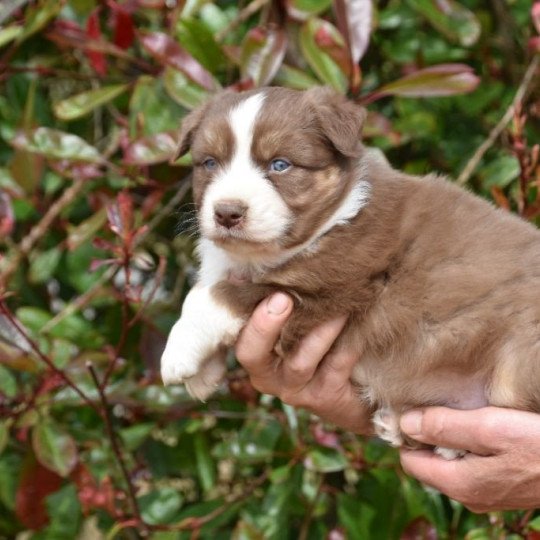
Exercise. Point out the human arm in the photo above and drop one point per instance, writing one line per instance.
(502, 470)
(313, 378)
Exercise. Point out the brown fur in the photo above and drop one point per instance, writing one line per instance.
(442, 289)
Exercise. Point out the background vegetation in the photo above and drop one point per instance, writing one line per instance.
(94, 263)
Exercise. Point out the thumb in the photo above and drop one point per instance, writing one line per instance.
(470, 430)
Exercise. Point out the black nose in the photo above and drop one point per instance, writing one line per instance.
(230, 213)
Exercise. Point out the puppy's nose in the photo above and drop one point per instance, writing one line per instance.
(230, 213)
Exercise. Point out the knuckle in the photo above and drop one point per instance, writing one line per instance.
(290, 397)
(433, 424)
(301, 368)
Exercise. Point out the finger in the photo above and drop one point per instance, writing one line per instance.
(337, 367)
(450, 477)
(258, 338)
(470, 430)
(298, 370)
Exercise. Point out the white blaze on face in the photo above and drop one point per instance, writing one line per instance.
(242, 180)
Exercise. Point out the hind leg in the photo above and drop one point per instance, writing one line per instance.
(386, 424)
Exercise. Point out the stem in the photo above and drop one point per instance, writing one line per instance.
(521, 94)
(44, 358)
(106, 414)
(29, 241)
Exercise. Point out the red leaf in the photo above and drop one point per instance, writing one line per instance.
(97, 59)
(419, 528)
(168, 52)
(35, 485)
(325, 438)
(50, 382)
(120, 216)
(93, 495)
(7, 218)
(124, 30)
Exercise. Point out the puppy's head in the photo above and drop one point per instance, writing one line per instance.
(270, 166)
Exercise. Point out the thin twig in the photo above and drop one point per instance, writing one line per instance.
(29, 241)
(43, 357)
(244, 14)
(521, 94)
(106, 414)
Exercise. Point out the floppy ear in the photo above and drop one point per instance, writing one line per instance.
(189, 126)
(340, 119)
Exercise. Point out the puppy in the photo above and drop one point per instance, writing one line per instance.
(441, 289)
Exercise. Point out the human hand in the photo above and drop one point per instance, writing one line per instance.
(502, 470)
(313, 378)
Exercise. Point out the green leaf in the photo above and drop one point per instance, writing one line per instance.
(160, 506)
(8, 383)
(500, 172)
(9, 33)
(205, 464)
(4, 433)
(199, 40)
(82, 232)
(43, 265)
(357, 519)
(441, 80)
(325, 460)
(451, 18)
(322, 64)
(10, 468)
(65, 513)
(184, 91)
(534, 524)
(85, 102)
(134, 436)
(294, 78)
(151, 110)
(38, 17)
(302, 9)
(54, 448)
(55, 144)
(33, 318)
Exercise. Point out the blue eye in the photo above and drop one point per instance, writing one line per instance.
(279, 165)
(210, 164)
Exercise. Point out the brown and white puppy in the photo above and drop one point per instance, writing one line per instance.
(441, 289)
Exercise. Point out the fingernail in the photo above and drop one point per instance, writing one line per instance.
(278, 303)
(411, 423)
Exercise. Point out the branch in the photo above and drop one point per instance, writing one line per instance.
(44, 358)
(521, 93)
(106, 414)
(28, 242)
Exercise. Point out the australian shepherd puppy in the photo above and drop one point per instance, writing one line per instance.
(441, 289)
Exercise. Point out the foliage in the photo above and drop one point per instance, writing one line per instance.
(93, 265)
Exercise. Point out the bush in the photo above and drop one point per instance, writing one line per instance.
(94, 264)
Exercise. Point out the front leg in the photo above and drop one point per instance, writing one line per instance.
(197, 344)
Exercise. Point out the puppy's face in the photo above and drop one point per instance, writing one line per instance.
(270, 166)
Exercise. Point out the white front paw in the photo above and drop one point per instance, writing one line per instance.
(181, 358)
